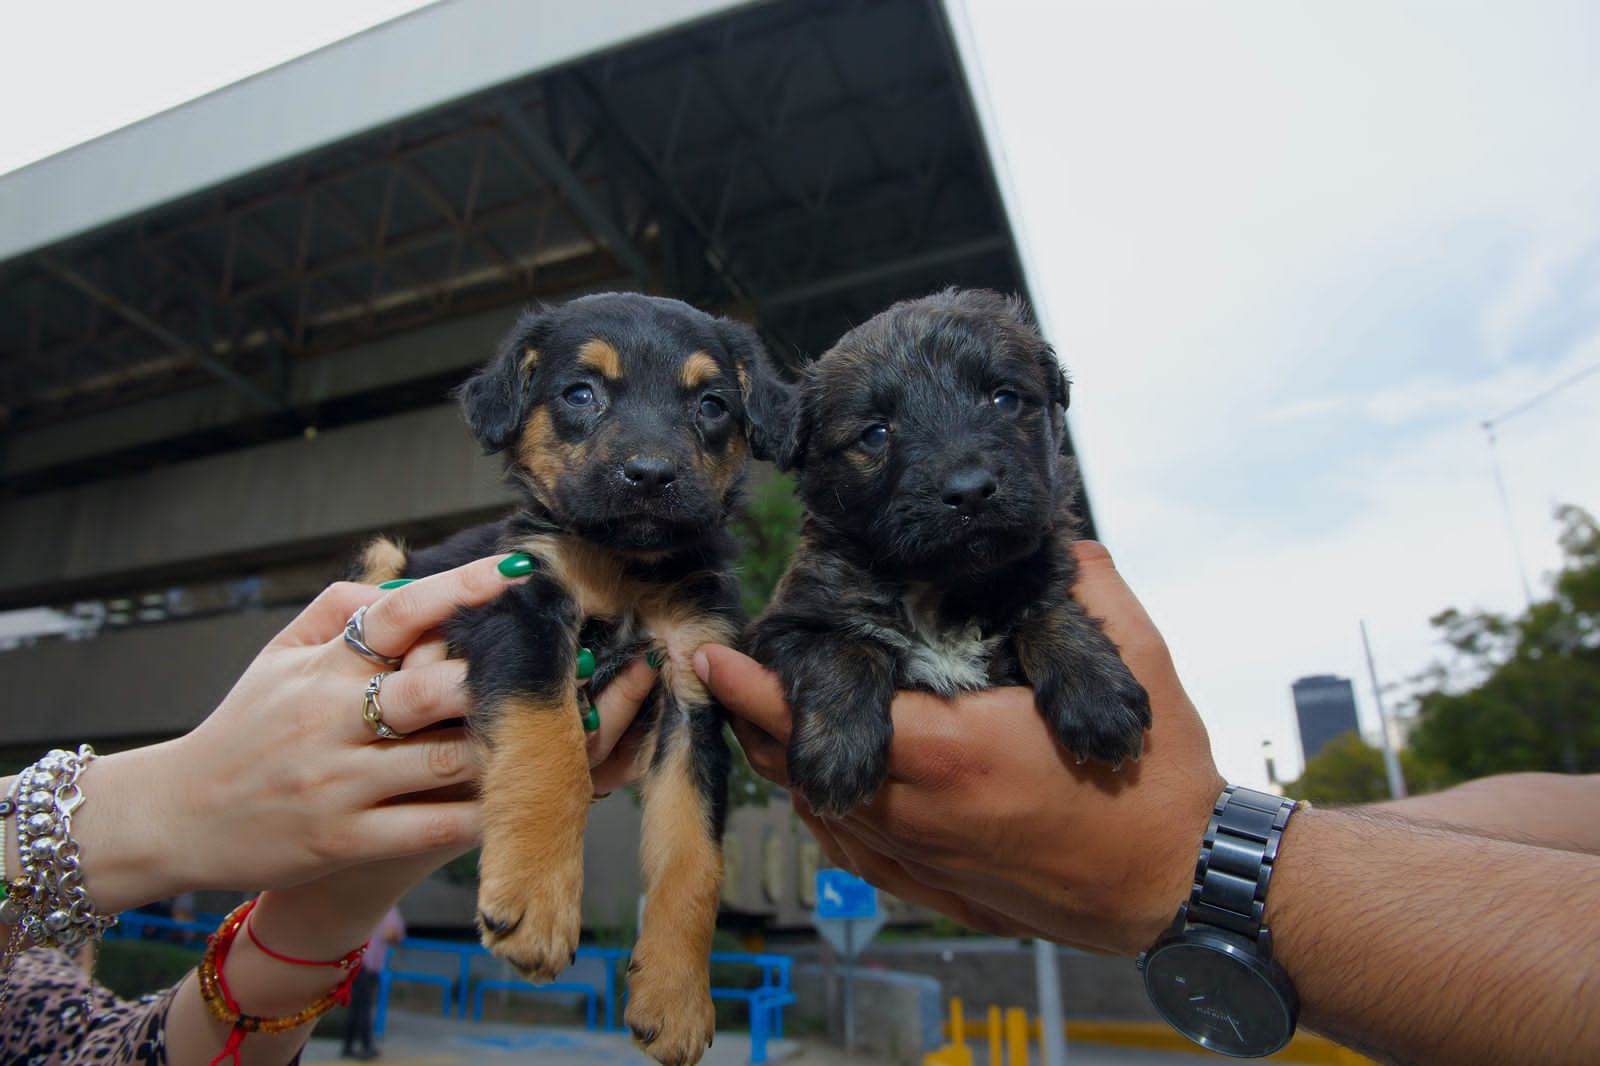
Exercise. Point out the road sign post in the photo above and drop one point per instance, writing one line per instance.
(848, 917)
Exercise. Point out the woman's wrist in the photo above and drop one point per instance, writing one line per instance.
(119, 828)
(307, 923)
(283, 957)
(134, 846)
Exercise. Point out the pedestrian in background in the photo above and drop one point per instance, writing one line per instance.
(358, 1023)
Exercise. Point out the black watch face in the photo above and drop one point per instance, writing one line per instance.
(1219, 997)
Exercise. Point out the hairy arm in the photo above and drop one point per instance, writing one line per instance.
(1415, 944)
(1546, 810)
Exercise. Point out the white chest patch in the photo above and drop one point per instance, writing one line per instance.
(944, 659)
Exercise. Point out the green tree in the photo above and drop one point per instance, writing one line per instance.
(1348, 770)
(767, 532)
(1521, 693)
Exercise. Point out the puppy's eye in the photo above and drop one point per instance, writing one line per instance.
(1006, 402)
(579, 396)
(875, 437)
(712, 408)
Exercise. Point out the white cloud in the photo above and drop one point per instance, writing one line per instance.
(1294, 260)
(1314, 407)
(1558, 254)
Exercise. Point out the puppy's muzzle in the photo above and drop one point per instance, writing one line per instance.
(969, 490)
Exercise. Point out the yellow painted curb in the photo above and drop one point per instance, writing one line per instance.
(1306, 1048)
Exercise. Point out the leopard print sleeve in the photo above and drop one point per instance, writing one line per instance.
(55, 1015)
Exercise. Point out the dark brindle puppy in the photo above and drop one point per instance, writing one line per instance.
(626, 420)
(929, 444)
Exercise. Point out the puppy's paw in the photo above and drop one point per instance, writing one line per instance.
(669, 1008)
(1097, 712)
(837, 769)
(531, 916)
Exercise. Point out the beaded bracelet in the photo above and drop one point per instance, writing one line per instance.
(48, 902)
(224, 1008)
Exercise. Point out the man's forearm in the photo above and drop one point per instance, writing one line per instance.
(1419, 945)
(1547, 810)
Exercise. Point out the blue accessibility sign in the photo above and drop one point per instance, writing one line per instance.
(844, 895)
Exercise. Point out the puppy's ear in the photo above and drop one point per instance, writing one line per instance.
(494, 399)
(771, 403)
(1060, 395)
(1055, 378)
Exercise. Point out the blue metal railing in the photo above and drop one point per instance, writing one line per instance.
(766, 999)
(463, 996)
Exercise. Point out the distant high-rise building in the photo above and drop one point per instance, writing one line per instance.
(1325, 706)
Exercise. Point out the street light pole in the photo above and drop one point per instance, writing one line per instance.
(1391, 761)
(1052, 1031)
(1500, 481)
(1505, 505)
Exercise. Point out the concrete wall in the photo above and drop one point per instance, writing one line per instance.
(145, 683)
(986, 972)
(898, 1015)
(281, 501)
(428, 352)
(774, 891)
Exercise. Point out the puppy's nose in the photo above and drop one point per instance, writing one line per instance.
(649, 473)
(968, 490)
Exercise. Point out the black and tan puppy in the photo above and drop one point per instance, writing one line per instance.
(626, 420)
(928, 444)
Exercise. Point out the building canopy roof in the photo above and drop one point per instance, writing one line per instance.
(801, 162)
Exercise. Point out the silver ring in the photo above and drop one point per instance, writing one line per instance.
(357, 639)
(372, 710)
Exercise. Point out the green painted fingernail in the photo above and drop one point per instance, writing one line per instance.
(655, 658)
(397, 582)
(517, 564)
(591, 720)
(585, 663)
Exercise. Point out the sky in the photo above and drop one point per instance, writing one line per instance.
(1294, 256)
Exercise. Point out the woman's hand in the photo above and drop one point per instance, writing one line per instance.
(286, 781)
(986, 818)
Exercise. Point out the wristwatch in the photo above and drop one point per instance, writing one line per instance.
(1211, 974)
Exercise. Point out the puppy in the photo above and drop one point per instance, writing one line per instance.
(928, 444)
(626, 421)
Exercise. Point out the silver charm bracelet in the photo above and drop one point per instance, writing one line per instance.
(48, 903)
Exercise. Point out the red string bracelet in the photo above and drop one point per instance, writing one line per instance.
(343, 962)
(224, 1008)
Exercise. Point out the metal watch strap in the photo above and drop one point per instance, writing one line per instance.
(1236, 860)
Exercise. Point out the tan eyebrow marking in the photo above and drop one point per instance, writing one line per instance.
(698, 369)
(602, 358)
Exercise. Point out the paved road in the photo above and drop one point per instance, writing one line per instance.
(429, 1040)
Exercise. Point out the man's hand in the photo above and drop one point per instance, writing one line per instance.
(985, 818)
